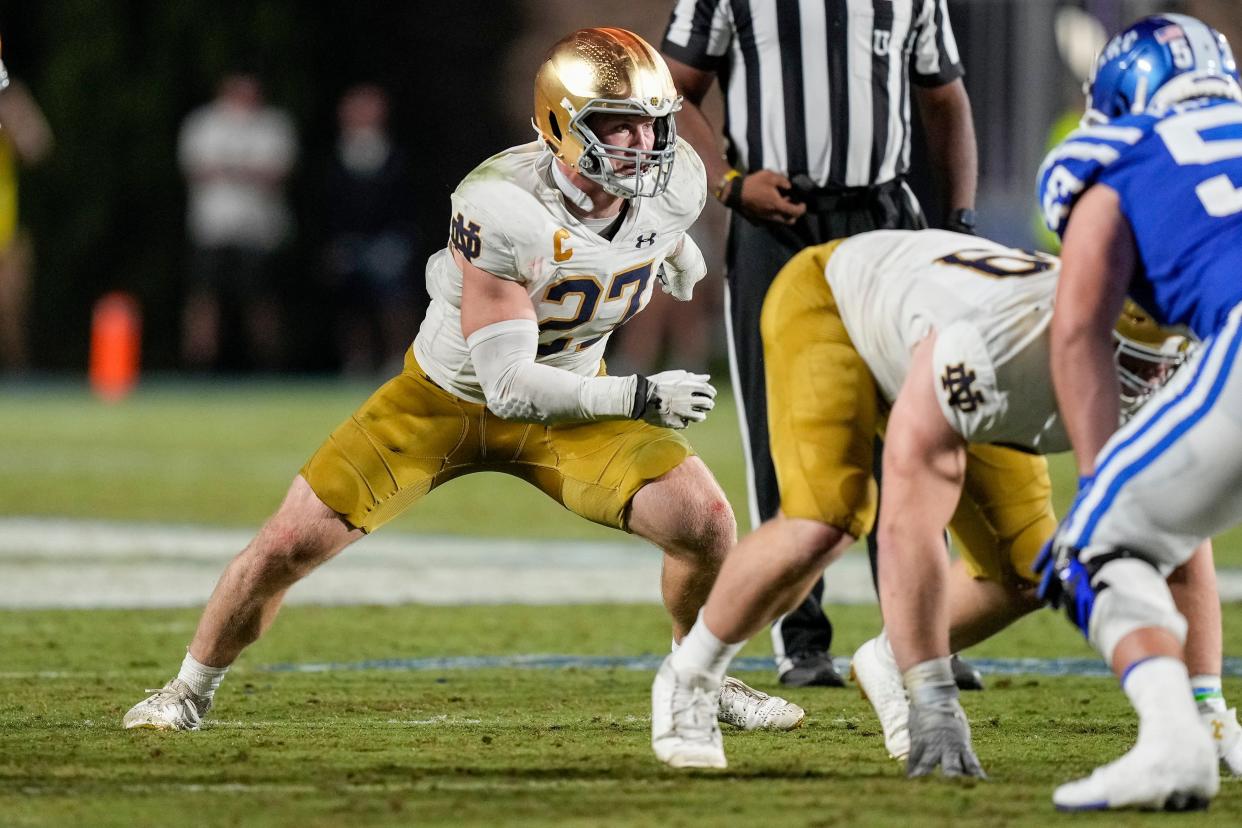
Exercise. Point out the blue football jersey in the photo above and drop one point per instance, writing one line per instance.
(1179, 176)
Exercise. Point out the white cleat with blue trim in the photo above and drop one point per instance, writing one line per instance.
(1174, 776)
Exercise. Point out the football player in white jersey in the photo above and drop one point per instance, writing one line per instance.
(552, 245)
(941, 340)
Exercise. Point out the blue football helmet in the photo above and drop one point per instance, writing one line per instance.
(1159, 61)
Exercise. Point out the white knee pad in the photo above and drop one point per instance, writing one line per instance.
(1130, 595)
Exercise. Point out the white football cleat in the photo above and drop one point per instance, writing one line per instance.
(1227, 736)
(684, 733)
(749, 709)
(173, 707)
(1181, 775)
(880, 683)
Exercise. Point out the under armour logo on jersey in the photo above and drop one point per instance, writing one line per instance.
(643, 241)
(464, 236)
(958, 381)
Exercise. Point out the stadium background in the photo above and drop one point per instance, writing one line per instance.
(107, 209)
(422, 717)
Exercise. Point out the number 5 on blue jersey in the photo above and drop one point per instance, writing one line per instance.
(1206, 137)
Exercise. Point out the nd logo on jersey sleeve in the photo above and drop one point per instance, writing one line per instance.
(464, 237)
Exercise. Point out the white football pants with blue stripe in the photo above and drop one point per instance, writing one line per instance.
(1172, 476)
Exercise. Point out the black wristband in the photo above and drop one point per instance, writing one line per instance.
(733, 195)
(641, 389)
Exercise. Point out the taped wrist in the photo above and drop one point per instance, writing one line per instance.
(516, 387)
(930, 683)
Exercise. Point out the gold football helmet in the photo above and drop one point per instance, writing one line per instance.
(1147, 354)
(611, 71)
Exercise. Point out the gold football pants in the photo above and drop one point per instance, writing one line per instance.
(412, 435)
(823, 416)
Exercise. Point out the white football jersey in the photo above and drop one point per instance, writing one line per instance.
(510, 219)
(990, 307)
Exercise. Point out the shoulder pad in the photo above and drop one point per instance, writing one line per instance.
(479, 235)
(687, 191)
(1076, 164)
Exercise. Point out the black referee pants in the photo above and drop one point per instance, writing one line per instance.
(754, 255)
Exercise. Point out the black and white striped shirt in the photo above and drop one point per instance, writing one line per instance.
(818, 86)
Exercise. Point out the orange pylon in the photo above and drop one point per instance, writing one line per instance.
(116, 345)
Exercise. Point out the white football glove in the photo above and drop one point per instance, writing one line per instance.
(674, 399)
(682, 271)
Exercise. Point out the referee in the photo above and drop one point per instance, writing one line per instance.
(817, 128)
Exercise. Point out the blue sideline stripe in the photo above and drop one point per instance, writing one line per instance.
(989, 666)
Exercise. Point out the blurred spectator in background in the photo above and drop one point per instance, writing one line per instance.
(236, 154)
(371, 238)
(25, 138)
(1079, 37)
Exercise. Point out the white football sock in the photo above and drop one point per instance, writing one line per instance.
(1159, 689)
(200, 678)
(702, 652)
(1208, 694)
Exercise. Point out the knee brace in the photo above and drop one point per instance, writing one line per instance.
(1130, 594)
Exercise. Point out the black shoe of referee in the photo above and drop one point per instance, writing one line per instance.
(965, 676)
(811, 670)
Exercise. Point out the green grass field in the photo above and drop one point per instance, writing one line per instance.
(224, 454)
(450, 746)
(489, 747)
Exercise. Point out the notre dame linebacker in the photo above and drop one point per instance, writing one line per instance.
(551, 246)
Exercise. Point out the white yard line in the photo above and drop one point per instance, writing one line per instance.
(81, 564)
